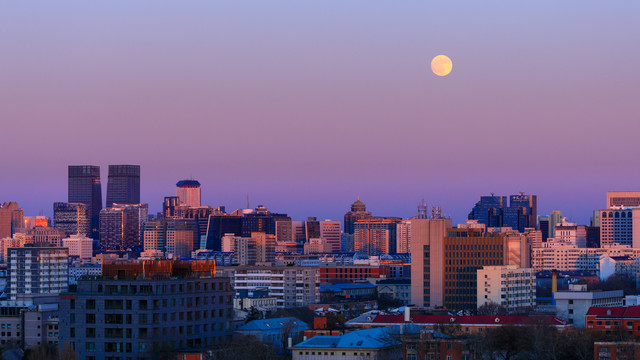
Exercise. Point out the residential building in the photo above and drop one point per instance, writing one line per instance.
(123, 185)
(84, 188)
(37, 271)
(571, 233)
(18, 240)
(616, 350)
(317, 246)
(331, 272)
(72, 218)
(154, 237)
(510, 286)
(403, 237)
(573, 305)
(292, 286)
(566, 257)
(433, 345)
(29, 321)
(375, 236)
(79, 246)
(181, 237)
(622, 265)
(135, 306)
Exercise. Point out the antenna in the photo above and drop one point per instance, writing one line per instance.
(422, 209)
(248, 207)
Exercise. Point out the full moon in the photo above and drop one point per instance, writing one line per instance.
(441, 65)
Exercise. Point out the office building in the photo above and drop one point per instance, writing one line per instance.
(543, 226)
(571, 233)
(188, 192)
(375, 236)
(219, 226)
(37, 271)
(135, 307)
(181, 237)
(123, 185)
(31, 222)
(493, 211)
(72, 218)
(260, 220)
(620, 226)
(122, 226)
(427, 253)
(512, 287)
(45, 236)
(554, 218)
(79, 246)
(617, 199)
(358, 212)
(154, 235)
(84, 188)
(11, 219)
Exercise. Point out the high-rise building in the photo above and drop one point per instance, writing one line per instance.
(403, 237)
(136, 308)
(122, 226)
(154, 235)
(72, 218)
(188, 191)
(571, 233)
(219, 226)
(623, 199)
(621, 226)
(85, 188)
(181, 237)
(11, 219)
(358, 212)
(260, 220)
(446, 260)
(427, 261)
(493, 211)
(123, 185)
(555, 218)
(330, 234)
(543, 226)
(37, 270)
(375, 236)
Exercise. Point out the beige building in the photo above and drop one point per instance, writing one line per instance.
(403, 237)
(427, 252)
(79, 246)
(316, 246)
(510, 286)
(622, 199)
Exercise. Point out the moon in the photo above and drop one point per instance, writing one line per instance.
(441, 65)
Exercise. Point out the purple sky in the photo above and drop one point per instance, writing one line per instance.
(306, 104)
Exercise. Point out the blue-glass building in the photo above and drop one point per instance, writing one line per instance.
(493, 211)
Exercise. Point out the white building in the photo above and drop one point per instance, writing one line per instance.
(626, 265)
(510, 286)
(79, 246)
(78, 270)
(620, 225)
(37, 270)
(572, 305)
(292, 286)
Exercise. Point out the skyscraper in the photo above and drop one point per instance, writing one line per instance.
(73, 219)
(123, 185)
(11, 218)
(122, 226)
(188, 191)
(85, 188)
(493, 211)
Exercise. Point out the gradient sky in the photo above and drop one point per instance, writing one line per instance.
(303, 105)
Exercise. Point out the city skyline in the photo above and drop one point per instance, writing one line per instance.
(323, 102)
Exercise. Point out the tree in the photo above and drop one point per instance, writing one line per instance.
(68, 353)
(162, 350)
(492, 309)
(41, 352)
(243, 348)
(254, 314)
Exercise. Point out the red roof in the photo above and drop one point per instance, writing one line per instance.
(615, 311)
(470, 320)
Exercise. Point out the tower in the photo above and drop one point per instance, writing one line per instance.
(85, 188)
(188, 191)
(123, 185)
